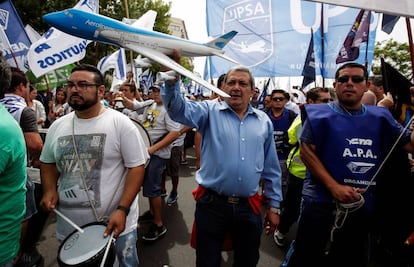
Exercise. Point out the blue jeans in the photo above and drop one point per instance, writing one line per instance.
(153, 177)
(126, 249)
(30, 199)
(291, 203)
(215, 217)
(7, 264)
(350, 243)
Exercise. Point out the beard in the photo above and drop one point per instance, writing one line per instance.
(81, 104)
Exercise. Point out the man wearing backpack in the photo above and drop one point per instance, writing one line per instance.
(281, 118)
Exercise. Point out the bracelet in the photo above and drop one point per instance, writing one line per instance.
(275, 210)
(123, 208)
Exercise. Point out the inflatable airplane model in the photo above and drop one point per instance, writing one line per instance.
(151, 44)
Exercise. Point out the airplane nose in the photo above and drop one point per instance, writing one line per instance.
(52, 18)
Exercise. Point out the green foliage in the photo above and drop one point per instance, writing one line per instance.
(31, 12)
(396, 54)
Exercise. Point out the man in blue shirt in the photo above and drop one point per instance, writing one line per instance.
(237, 151)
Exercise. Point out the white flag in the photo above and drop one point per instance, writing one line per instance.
(57, 49)
(34, 36)
(117, 62)
(400, 8)
(4, 41)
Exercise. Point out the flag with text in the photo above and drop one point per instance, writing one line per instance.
(56, 49)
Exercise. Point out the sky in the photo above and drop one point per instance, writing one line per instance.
(194, 14)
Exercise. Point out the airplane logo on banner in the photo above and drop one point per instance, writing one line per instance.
(245, 18)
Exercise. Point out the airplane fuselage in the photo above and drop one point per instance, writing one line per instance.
(99, 28)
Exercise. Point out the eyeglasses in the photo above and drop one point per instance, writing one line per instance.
(354, 78)
(277, 99)
(80, 85)
(325, 100)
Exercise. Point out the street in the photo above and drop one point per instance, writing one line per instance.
(174, 248)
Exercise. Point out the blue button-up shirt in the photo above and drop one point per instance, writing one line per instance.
(235, 154)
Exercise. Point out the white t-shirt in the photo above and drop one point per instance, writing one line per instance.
(39, 109)
(107, 145)
(157, 123)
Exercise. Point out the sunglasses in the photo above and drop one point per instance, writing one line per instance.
(277, 99)
(325, 100)
(354, 78)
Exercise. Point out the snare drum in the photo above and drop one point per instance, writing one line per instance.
(144, 134)
(34, 174)
(86, 249)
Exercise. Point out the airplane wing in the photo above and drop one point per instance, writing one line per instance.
(168, 62)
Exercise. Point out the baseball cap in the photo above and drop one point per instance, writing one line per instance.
(153, 88)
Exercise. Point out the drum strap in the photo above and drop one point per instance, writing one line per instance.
(95, 212)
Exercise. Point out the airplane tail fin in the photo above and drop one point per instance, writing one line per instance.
(221, 42)
(146, 21)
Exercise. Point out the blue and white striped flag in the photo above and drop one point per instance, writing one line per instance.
(146, 80)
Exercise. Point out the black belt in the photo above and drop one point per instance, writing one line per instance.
(228, 199)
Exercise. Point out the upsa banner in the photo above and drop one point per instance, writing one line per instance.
(273, 35)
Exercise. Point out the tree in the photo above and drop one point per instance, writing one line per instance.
(31, 11)
(396, 54)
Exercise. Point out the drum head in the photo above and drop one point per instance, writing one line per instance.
(80, 249)
(144, 134)
(34, 174)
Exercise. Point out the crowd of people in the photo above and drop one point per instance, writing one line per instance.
(338, 166)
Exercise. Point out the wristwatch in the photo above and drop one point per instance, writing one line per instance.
(275, 210)
(123, 208)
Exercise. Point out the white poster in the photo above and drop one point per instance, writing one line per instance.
(57, 49)
(403, 8)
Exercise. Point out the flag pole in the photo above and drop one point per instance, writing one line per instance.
(322, 48)
(131, 57)
(410, 42)
(366, 48)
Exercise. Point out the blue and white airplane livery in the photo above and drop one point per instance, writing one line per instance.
(151, 44)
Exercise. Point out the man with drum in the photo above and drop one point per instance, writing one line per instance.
(92, 166)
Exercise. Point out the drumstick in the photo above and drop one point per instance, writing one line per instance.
(107, 249)
(410, 240)
(68, 221)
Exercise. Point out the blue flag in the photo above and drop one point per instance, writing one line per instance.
(18, 38)
(309, 71)
(388, 22)
(146, 80)
(261, 100)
